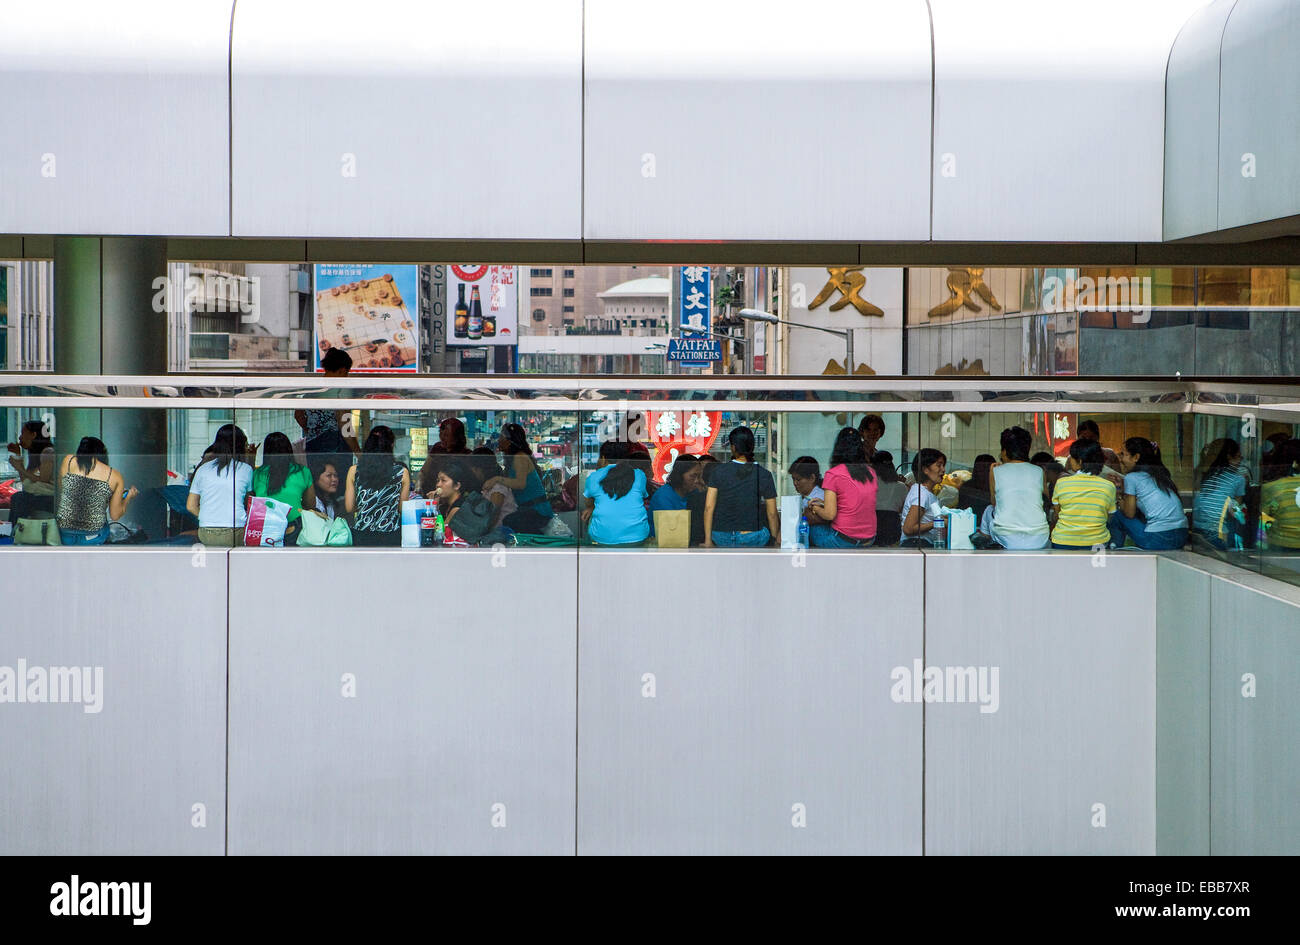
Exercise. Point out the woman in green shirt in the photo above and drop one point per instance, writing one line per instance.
(280, 478)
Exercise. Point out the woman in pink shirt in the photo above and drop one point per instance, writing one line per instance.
(849, 507)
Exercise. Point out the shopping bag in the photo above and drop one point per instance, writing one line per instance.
(791, 512)
(673, 528)
(961, 524)
(267, 521)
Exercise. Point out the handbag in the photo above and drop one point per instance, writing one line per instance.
(39, 528)
(474, 519)
(318, 531)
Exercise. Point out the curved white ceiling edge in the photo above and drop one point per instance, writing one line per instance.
(1191, 183)
(1049, 118)
(1259, 113)
(393, 119)
(116, 117)
(762, 121)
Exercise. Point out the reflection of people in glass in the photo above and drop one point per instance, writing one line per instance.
(1218, 483)
(1279, 494)
(36, 475)
(872, 429)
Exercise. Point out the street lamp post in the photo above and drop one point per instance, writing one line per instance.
(755, 315)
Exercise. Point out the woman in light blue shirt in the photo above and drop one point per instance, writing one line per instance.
(1149, 489)
(616, 494)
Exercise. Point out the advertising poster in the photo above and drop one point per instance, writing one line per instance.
(483, 304)
(695, 319)
(369, 312)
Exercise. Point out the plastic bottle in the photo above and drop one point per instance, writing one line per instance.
(803, 531)
(939, 534)
(439, 530)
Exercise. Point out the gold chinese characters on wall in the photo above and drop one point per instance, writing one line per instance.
(962, 283)
(848, 281)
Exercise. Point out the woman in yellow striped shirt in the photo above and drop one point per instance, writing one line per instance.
(1082, 502)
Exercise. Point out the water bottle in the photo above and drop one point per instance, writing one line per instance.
(439, 529)
(803, 531)
(939, 534)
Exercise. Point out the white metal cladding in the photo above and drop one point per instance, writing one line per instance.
(759, 122)
(1259, 113)
(1192, 124)
(1049, 118)
(116, 117)
(401, 119)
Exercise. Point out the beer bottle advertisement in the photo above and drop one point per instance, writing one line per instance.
(475, 315)
(461, 325)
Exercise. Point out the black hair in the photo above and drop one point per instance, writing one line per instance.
(851, 451)
(1042, 458)
(1016, 442)
(807, 466)
(458, 432)
(621, 477)
(741, 440)
(229, 443)
(1222, 450)
(882, 461)
(277, 457)
(336, 359)
(870, 419)
(979, 474)
(1149, 462)
(376, 455)
(317, 466)
(40, 443)
(677, 475)
(1088, 454)
(708, 463)
(91, 448)
(1282, 460)
(458, 471)
(484, 461)
(926, 456)
(517, 442)
(1089, 426)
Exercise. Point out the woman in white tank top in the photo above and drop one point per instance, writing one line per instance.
(1019, 522)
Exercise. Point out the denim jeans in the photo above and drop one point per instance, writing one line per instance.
(756, 539)
(75, 536)
(1122, 526)
(833, 539)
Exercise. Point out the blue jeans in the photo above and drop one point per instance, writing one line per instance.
(830, 538)
(1135, 528)
(756, 539)
(75, 536)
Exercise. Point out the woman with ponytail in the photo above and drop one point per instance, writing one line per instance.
(741, 496)
(616, 495)
(1149, 489)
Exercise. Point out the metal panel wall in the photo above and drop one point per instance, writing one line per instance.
(1259, 124)
(767, 122)
(1075, 725)
(771, 703)
(124, 779)
(1049, 118)
(1255, 717)
(117, 118)
(1192, 124)
(404, 120)
(463, 666)
(1182, 709)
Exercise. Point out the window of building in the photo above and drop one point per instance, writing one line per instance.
(568, 308)
(539, 314)
(568, 273)
(540, 292)
(568, 293)
(540, 273)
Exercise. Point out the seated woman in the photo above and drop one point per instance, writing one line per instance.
(455, 482)
(534, 514)
(280, 478)
(849, 504)
(1019, 522)
(1083, 501)
(891, 491)
(1220, 482)
(326, 483)
(975, 493)
(91, 493)
(1149, 489)
(740, 496)
(1279, 494)
(483, 466)
(376, 488)
(806, 477)
(616, 494)
(685, 478)
(36, 475)
(920, 505)
(219, 487)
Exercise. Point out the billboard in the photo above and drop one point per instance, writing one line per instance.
(695, 312)
(483, 304)
(369, 312)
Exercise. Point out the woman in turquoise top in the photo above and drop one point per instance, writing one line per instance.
(615, 512)
(1019, 522)
(534, 512)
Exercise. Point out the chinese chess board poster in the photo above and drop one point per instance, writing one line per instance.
(369, 312)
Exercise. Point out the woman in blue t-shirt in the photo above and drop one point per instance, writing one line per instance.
(1220, 481)
(685, 477)
(1149, 489)
(615, 512)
